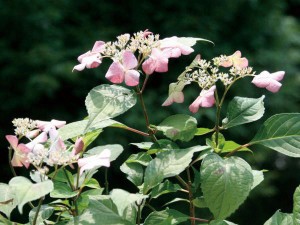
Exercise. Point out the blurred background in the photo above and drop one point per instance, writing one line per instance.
(41, 40)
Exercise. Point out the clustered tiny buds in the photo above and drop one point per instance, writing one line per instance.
(23, 126)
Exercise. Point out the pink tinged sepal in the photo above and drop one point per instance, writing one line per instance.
(236, 61)
(117, 71)
(95, 161)
(32, 134)
(175, 93)
(78, 146)
(270, 81)
(206, 99)
(46, 125)
(157, 61)
(20, 152)
(41, 138)
(176, 48)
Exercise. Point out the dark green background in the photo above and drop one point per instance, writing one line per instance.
(40, 41)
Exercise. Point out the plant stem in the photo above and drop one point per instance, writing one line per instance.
(38, 210)
(9, 161)
(192, 207)
(183, 183)
(238, 148)
(217, 128)
(150, 131)
(106, 180)
(74, 199)
(199, 220)
(138, 219)
(135, 131)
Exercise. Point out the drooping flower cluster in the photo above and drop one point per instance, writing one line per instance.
(130, 52)
(207, 73)
(44, 144)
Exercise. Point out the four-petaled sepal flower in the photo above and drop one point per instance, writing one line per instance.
(90, 59)
(157, 61)
(236, 61)
(206, 99)
(117, 71)
(20, 152)
(270, 81)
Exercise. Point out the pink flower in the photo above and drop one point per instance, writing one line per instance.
(205, 99)
(236, 61)
(117, 71)
(157, 61)
(270, 81)
(21, 150)
(78, 146)
(46, 126)
(175, 94)
(95, 161)
(176, 48)
(90, 59)
(41, 138)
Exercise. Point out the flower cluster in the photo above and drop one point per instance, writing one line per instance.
(207, 73)
(128, 53)
(44, 144)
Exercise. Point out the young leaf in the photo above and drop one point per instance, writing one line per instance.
(7, 202)
(280, 218)
(258, 177)
(164, 188)
(202, 131)
(108, 101)
(296, 208)
(122, 199)
(25, 191)
(179, 127)
(44, 213)
(281, 133)
(229, 146)
(165, 217)
(168, 164)
(244, 110)
(61, 190)
(225, 183)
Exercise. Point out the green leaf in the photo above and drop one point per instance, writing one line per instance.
(179, 127)
(143, 145)
(190, 41)
(165, 217)
(115, 149)
(281, 133)
(168, 164)
(280, 218)
(225, 183)
(244, 110)
(60, 175)
(296, 208)
(44, 213)
(103, 212)
(122, 199)
(108, 101)
(92, 183)
(162, 145)
(25, 191)
(258, 177)
(133, 167)
(7, 202)
(221, 222)
(202, 131)
(229, 146)
(62, 190)
(164, 188)
(200, 202)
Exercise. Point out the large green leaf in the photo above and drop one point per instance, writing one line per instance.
(164, 188)
(296, 208)
(179, 127)
(280, 218)
(122, 199)
(44, 213)
(62, 190)
(225, 183)
(7, 203)
(165, 217)
(221, 222)
(168, 164)
(115, 149)
(103, 212)
(281, 133)
(25, 191)
(244, 110)
(108, 101)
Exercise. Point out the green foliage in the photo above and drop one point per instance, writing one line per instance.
(165, 217)
(281, 133)
(225, 184)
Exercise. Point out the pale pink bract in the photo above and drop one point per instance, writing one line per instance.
(157, 61)
(90, 59)
(175, 93)
(20, 152)
(206, 99)
(175, 48)
(236, 61)
(270, 81)
(117, 71)
(95, 161)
